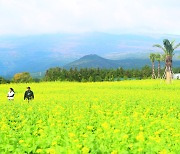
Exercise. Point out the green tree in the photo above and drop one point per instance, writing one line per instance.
(168, 48)
(90, 79)
(22, 77)
(145, 72)
(98, 78)
(158, 59)
(152, 57)
(53, 74)
(83, 80)
(3, 80)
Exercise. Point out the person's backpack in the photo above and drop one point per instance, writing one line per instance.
(29, 94)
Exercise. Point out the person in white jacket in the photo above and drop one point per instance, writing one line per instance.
(11, 93)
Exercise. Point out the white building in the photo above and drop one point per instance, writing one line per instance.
(176, 76)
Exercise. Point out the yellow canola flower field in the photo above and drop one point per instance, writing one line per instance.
(107, 117)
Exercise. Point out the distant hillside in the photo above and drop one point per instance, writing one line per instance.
(95, 61)
(37, 53)
(92, 61)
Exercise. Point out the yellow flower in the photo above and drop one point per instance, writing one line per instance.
(89, 127)
(54, 143)
(39, 150)
(125, 136)
(84, 135)
(76, 140)
(140, 150)
(51, 151)
(116, 131)
(71, 135)
(113, 122)
(29, 109)
(130, 146)
(135, 114)
(79, 146)
(21, 141)
(41, 131)
(141, 128)
(140, 137)
(114, 152)
(157, 139)
(105, 125)
(39, 121)
(163, 152)
(85, 150)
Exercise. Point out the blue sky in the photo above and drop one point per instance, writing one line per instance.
(30, 17)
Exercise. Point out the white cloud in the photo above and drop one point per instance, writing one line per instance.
(73, 16)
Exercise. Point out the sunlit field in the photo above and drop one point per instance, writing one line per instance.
(107, 117)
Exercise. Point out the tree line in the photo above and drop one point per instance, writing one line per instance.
(97, 74)
(89, 74)
(84, 75)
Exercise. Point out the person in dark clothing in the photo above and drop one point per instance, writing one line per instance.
(28, 95)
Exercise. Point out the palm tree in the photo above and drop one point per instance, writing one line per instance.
(163, 57)
(158, 58)
(168, 48)
(152, 57)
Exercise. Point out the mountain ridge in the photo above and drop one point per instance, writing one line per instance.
(37, 53)
(95, 61)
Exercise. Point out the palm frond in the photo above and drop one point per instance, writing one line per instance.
(172, 42)
(152, 57)
(178, 45)
(159, 46)
(168, 47)
(158, 57)
(163, 57)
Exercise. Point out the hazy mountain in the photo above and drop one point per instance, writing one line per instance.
(92, 61)
(95, 61)
(39, 52)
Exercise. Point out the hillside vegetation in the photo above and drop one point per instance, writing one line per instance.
(112, 117)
